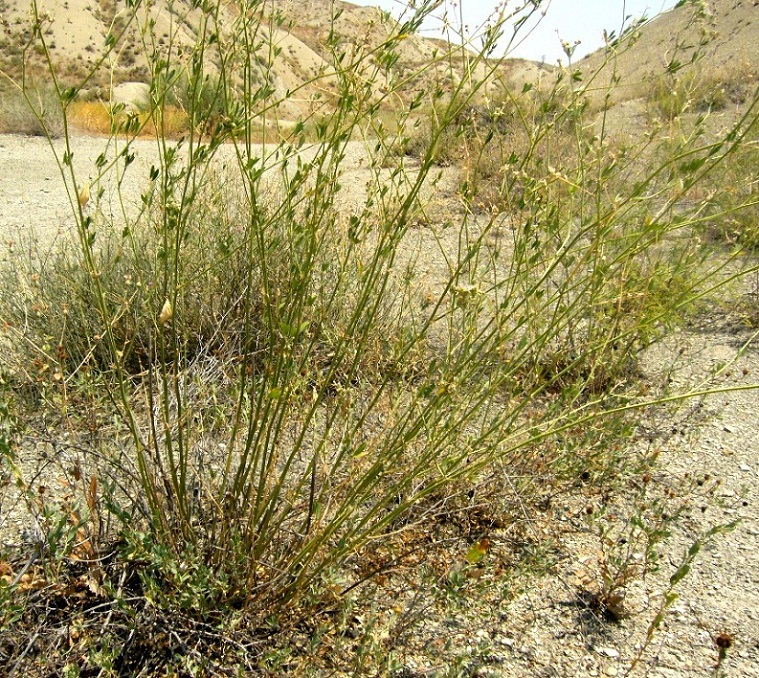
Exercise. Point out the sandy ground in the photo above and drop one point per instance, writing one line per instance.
(539, 633)
(34, 198)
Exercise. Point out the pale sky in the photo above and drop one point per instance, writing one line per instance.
(568, 20)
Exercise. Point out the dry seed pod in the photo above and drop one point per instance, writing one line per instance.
(167, 313)
(84, 195)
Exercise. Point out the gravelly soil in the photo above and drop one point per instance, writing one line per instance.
(540, 633)
(721, 594)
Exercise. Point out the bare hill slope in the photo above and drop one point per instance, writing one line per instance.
(721, 37)
(298, 45)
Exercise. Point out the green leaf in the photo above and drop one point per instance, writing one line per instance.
(692, 166)
(68, 95)
(291, 331)
(681, 573)
(478, 551)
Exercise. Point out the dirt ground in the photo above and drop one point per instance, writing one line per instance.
(542, 631)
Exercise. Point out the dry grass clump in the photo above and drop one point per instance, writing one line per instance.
(34, 110)
(96, 117)
(696, 90)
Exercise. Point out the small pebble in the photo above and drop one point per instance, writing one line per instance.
(608, 652)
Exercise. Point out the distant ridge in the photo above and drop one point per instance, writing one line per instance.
(76, 32)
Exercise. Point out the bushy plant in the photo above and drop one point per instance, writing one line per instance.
(293, 386)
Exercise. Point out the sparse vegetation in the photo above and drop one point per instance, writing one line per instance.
(734, 205)
(258, 406)
(33, 110)
(673, 95)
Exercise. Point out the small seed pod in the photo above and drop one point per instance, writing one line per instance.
(84, 195)
(167, 313)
